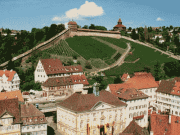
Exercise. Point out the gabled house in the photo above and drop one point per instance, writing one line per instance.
(142, 81)
(168, 96)
(85, 114)
(9, 80)
(21, 119)
(48, 68)
(137, 105)
(67, 85)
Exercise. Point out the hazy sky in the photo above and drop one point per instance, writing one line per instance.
(28, 14)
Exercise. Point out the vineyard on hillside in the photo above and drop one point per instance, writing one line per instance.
(61, 49)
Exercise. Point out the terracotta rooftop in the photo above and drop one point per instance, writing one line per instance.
(119, 25)
(10, 106)
(134, 129)
(8, 73)
(54, 66)
(72, 23)
(84, 102)
(142, 80)
(130, 94)
(124, 76)
(160, 124)
(119, 20)
(11, 95)
(67, 80)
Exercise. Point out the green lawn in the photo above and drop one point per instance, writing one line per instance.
(90, 48)
(148, 57)
(115, 41)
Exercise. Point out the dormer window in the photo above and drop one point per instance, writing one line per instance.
(41, 119)
(83, 80)
(30, 120)
(75, 80)
(79, 80)
(178, 91)
(118, 92)
(172, 90)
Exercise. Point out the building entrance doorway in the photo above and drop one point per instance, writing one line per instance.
(102, 130)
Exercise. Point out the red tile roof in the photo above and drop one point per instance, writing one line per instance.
(119, 20)
(129, 94)
(30, 111)
(67, 80)
(84, 102)
(72, 23)
(134, 129)
(11, 95)
(8, 73)
(142, 80)
(160, 124)
(124, 77)
(169, 87)
(10, 106)
(119, 25)
(79, 79)
(54, 66)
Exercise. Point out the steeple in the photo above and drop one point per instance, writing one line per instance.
(119, 21)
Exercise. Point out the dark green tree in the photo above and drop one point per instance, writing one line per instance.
(85, 27)
(92, 26)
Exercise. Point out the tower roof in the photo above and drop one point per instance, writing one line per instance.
(119, 20)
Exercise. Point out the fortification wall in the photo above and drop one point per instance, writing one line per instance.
(63, 35)
(100, 33)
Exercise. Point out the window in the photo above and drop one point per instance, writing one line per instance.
(94, 132)
(41, 119)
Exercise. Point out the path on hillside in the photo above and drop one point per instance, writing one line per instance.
(117, 48)
(151, 46)
(119, 62)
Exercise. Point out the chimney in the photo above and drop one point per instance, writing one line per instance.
(169, 118)
(151, 133)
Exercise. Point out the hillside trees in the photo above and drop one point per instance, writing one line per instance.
(11, 46)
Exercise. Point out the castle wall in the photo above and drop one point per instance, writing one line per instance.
(111, 34)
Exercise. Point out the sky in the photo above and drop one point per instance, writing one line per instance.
(28, 14)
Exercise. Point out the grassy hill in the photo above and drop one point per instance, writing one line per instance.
(148, 58)
(90, 48)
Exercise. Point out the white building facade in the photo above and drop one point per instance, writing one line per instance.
(100, 118)
(50, 68)
(9, 80)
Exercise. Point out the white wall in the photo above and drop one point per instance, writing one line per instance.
(35, 128)
(40, 74)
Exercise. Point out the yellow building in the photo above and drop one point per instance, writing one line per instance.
(91, 114)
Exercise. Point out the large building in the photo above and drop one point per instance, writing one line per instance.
(137, 104)
(48, 68)
(10, 118)
(67, 85)
(33, 120)
(119, 26)
(87, 114)
(17, 118)
(142, 81)
(9, 80)
(168, 96)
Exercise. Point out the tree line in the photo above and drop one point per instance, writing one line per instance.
(146, 34)
(94, 27)
(13, 45)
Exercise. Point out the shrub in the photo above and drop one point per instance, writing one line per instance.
(88, 65)
(75, 57)
(78, 62)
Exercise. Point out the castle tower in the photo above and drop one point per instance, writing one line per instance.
(72, 25)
